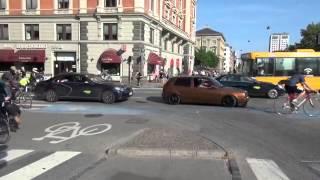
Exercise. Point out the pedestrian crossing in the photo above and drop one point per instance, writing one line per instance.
(266, 169)
(263, 169)
(36, 168)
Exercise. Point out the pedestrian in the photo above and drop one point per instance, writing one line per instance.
(138, 77)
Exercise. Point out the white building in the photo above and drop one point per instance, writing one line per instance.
(279, 42)
(228, 58)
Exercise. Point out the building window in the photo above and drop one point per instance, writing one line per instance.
(113, 69)
(172, 47)
(63, 4)
(64, 32)
(180, 23)
(152, 5)
(110, 3)
(31, 4)
(174, 18)
(4, 33)
(32, 31)
(166, 45)
(110, 31)
(151, 35)
(3, 4)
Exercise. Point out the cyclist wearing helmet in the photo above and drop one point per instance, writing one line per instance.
(292, 88)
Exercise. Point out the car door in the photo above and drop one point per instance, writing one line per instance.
(253, 88)
(63, 86)
(205, 94)
(183, 89)
(84, 88)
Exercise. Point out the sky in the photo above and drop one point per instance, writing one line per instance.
(246, 20)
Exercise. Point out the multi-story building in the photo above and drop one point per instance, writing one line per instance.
(90, 36)
(279, 42)
(213, 41)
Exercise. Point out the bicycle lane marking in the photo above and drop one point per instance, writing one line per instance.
(55, 132)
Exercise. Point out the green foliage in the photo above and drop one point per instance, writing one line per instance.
(206, 58)
(310, 37)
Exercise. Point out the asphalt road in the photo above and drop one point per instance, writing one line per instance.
(265, 145)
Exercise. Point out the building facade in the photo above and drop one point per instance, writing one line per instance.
(279, 42)
(89, 36)
(213, 41)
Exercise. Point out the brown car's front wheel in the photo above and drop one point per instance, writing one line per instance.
(229, 101)
(174, 99)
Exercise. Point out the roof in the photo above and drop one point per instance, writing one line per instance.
(209, 32)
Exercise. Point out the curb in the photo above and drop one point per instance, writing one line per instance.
(168, 153)
(234, 169)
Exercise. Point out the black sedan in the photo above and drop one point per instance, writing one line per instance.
(81, 87)
(254, 88)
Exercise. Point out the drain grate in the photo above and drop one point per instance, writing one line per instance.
(137, 121)
(93, 115)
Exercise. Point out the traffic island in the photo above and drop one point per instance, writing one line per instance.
(169, 143)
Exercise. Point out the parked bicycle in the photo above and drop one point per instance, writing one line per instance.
(310, 104)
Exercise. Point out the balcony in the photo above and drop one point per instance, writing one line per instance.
(109, 10)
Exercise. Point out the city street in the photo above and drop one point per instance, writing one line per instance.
(264, 145)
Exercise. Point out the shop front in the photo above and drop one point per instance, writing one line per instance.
(154, 65)
(27, 58)
(110, 62)
(65, 62)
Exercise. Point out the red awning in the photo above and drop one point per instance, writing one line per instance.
(6, 55)
(178, 63)
(110, 56)
(155, 59)
(172, 63)
(31, 56)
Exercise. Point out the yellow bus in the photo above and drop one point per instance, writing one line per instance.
(275, 66)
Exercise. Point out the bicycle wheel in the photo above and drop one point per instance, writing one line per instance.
(4, 131)
(312, 106)
(24, 100)
(282, 105)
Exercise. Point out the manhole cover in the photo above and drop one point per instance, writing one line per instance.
(137, 121)
(141, 102)
(93, 115)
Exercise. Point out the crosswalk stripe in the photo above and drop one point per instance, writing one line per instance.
(13, 154)
(41, 166)
(266, 169)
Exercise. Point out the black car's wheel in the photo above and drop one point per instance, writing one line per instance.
(174, 99)
(272, 93)
(51, 96)
(229, 101)
(108, 97)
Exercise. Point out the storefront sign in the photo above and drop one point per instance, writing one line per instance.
(31, 46)
(65, 58)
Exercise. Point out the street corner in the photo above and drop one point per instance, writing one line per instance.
(168, 143)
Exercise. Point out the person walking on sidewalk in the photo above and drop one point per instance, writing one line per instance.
(138, 77)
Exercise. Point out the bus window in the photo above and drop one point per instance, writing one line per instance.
(285, 66)
(246, 66)
(308, 63)
(265, 66)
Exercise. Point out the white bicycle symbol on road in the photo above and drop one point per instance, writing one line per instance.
(56, 131)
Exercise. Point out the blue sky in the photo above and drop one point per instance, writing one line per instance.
(243, 20)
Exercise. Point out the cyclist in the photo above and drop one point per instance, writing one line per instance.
(12, 109)
(292, 88)
(10, 78)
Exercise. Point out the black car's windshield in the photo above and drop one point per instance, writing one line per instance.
(95, 78)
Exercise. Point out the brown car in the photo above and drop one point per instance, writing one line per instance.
(202, 90)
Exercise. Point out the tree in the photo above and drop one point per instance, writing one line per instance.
(310, 37)
(206, 58)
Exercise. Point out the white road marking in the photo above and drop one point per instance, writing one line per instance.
(13, 154)
(266, 169)
(41, 166)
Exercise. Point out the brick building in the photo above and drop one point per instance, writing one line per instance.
(94, 35)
